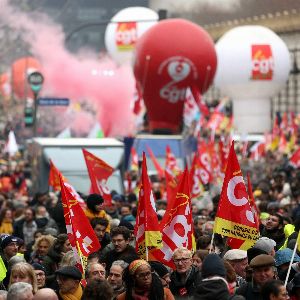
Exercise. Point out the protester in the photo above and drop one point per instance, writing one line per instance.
(141, 283)
(20, 291)
(98, 289)
(185, 278)
(23, 272)
(115, 276)
(162, 272)
(40, 275)
(41, 248)
(239, 261)
(69, 287)
(94, 271)
(274, 290)
(213, 284)
(263, 267)
(100, 226)
(45, 294)
(6, 221)
(120, 237)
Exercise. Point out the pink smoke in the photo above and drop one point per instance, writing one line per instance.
(80, 77)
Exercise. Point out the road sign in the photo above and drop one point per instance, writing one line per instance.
(53, 101)
(35, 79)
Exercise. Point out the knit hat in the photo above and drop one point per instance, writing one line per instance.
(38, 266)
(6, 240)
(136, 264)
(126, 224)
(213, 265)
(159, 268)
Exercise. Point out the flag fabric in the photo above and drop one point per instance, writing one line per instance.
(147, 229)
(234, 217)
(176, 225)
(257, 151)
(54, 180)
(252, 202)
(199, 100)
(295, 159)
(80, 232)
(171, 163)
(190, 109)
(99, 171)
(171, 187)
(159, 169)
(134, 166)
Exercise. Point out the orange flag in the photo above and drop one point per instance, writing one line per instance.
(54, 180)
(99, 171)
(157, 166)
(176, 225)
(80, 232)
(134, 160)
(171, 163)
(234, 217)
(147, 231)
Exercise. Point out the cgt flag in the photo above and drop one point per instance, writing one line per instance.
(147, 231)
(171, 163)
(176, 225)
(80, 232)
(235, 218)
(54, 180)
(99, 171)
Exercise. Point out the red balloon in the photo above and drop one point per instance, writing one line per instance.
(172, 56)
(20, 70)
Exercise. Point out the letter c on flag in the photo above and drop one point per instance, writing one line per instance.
(233, 182)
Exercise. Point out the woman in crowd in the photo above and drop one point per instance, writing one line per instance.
(274, 290)
(6, 221)
(41, 248)
(142, 283)
(23, 272)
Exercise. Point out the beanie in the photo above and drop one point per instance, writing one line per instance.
(213, 265)
(37, 266)
(126, 224)
(159, 268)
(6, 240)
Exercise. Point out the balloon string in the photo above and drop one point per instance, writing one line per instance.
(148, 57)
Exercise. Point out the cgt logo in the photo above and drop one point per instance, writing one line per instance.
(262, 62)
(126, 36)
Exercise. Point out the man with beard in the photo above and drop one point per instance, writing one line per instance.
(120, 237)
(115, 277)
(274, 229)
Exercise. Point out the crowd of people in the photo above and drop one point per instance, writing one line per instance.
(37, 260)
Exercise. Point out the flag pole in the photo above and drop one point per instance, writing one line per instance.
(211, 243)
(290, 265)
(147, 254)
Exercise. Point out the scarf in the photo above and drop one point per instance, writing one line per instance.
(74, 296)
(6, 227)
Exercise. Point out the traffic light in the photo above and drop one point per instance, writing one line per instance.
(28, 116)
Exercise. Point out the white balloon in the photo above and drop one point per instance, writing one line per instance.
(253, 66)
(121, 37)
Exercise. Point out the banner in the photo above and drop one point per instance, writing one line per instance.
(99, 171)
(147, 229)
(234, 217)
(80, 232)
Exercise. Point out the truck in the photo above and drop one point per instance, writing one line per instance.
(66, 154)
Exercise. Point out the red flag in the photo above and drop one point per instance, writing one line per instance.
(252, 202)
(80, 232)
(171, 186)
(54, 180)
(157, 166)
(171, 163)
(146, 229)
(176, 225)
(295, 159)
(134, 166)
(199, 100)
(99, 171)
(234, 217)
(257, 151)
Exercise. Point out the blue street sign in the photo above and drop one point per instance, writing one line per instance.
(53, 101)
